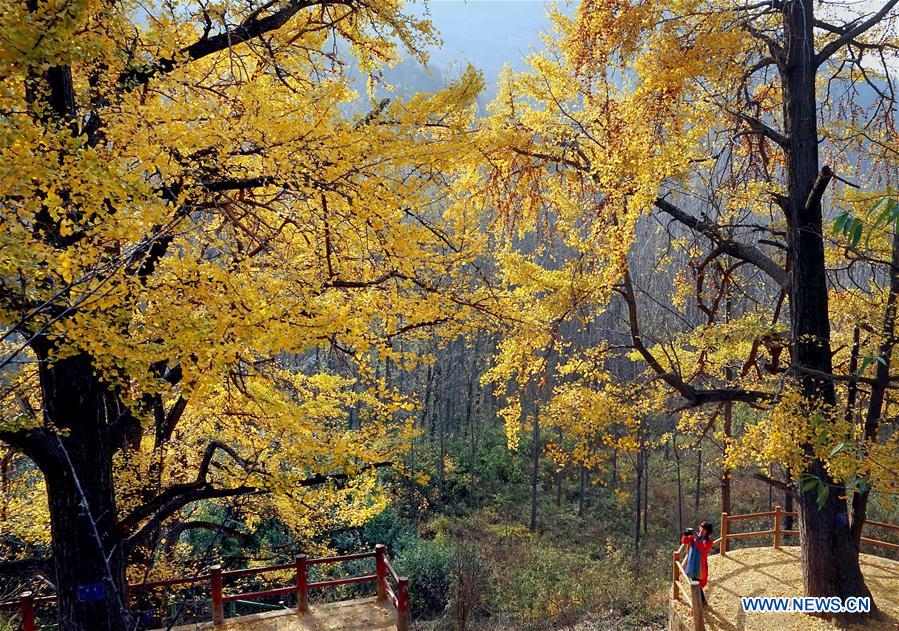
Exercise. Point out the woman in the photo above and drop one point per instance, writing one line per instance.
(696, 565)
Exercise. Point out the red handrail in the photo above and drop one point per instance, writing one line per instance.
(727, 536)
(399, 599)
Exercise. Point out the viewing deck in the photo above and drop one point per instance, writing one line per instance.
(388, 610)
(773, 571)
(364, 614)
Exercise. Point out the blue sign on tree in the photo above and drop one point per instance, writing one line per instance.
(91, 592)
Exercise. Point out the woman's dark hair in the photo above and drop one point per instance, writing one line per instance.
(707, 526)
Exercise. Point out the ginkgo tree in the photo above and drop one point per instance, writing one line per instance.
(186, 203)
(734, 131)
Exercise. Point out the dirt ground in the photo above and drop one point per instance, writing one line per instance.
(354, 615)
(770, 572)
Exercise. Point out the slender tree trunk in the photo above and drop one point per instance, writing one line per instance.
(535, 466)
(469, 423)
(680, 486)
(728, 414)
(639, 498)
(876, 400)
(559, 479)
(614, 481)
(581, 491)
(725, 471)
(441, 473)
(646, 458)
(698, 491)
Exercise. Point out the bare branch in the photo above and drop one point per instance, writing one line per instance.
(250, 29)
(852, 32)
(741, 251)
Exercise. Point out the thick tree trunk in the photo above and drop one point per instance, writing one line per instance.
(829, 554)
(77, 466)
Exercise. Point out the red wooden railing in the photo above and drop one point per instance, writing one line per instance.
(681, 585)
(397, 597)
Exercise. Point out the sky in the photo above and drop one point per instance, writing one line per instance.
(490, 33)
(485, 33)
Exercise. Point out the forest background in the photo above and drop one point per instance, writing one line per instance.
(268, 286)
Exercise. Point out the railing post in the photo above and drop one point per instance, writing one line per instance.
(381, 571)
(302, 584)
(676, 576)
(724, 531)
(402, 604)
(218, 606)
(26, 610)
(696, 600)
(777, 515)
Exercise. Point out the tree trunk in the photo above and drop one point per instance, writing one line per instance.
(441, 470)
(581, 491)
(788, 507)
(646, 490)
(535, 467)
(77, 467)
(469, 426)
(638, 496)
(829, 554)
(727, 426)
(559, 479)
(614, 472)
(698, 491)
(680, 486)
(877, 398)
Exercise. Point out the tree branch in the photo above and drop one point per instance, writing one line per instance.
(694, 396)
(851, 32)
(175, 531)
(30, 566)
(777, 484)
(742, 251)
(250, 29)
(765, 130)
(175, 497)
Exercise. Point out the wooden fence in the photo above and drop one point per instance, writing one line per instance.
(689, 591)
(397, 595)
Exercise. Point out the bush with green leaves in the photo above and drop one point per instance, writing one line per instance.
(428, 565)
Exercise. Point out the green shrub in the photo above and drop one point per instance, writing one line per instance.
(386, 528)
(427, 564)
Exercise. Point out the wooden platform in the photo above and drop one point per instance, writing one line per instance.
(770, 572)
(365, 614)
